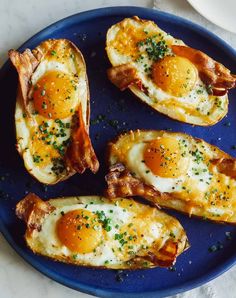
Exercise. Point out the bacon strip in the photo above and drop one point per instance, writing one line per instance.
(33, 210)
(123, 76)
(226, 166)
(166, 256)
(212, 73)
(80, 154)
(25, 65)
(121, 183)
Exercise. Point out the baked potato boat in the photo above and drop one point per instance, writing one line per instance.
(163, 72)
(52, 111)
(174, 170)
(95, 231)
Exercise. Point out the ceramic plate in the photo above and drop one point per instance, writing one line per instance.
(88, 30)
(221, 13)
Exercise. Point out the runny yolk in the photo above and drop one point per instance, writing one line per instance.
(55, 95)
(42, 153)
(164, 158)
(79, 231)
(175, 75)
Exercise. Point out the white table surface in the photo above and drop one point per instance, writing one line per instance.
(19, 20)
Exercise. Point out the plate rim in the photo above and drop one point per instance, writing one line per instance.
(92, 290)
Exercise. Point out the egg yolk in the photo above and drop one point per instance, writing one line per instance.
(175, 75)
(127, 38)
(164, 158)
(55, 95)
(79, 231)
(42, 153)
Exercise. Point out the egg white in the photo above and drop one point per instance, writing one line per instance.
(52, 246)
(136, 163)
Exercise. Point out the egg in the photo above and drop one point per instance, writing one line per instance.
(174, 170)
(174, 79)
(52, 111)
(95, 231)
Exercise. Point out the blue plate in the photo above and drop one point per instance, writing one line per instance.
(88, 30)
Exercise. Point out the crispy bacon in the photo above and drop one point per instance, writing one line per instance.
(166, 256)
(33, 210)
(212, 73)
(25, 65)
(80, 154)
(121, 183)
(161, 257)
(123, 76)
(226, 166)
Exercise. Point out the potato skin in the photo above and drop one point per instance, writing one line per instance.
(121, 182)
(141, 94)
(34, 211)
(29, 60)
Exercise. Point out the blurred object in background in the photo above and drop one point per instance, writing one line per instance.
(183, 9)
